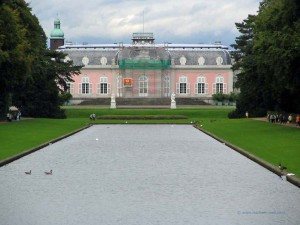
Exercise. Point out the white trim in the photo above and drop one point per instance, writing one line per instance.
(79, 88)
(143, 85)
(108, 88)
(188, 88)
(224, 88)
(98, 88)
(90, 89)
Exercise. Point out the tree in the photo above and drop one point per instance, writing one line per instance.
(267, 52)
(277, 47)
(32, 76)
(15, 50)
(46, 91)
(251, 84)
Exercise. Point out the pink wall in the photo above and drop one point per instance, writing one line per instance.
(209, 75)
(94, 78)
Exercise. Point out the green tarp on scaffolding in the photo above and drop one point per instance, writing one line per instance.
(147, 64)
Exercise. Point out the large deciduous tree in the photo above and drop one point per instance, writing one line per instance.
(268, 54)
(44, 92)
(32, 77)
(15, 50)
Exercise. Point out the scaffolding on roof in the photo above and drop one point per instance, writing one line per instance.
(144, 57)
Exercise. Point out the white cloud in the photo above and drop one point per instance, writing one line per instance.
(171, 20)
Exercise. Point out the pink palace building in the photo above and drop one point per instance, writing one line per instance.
(144, 69)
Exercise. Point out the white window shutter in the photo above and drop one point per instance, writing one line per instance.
(206, 88)
(225, 88)
(196, 89)
(108, 88)
(188, 88)
(98, 88)
(177, 88)
(214, 88)
(90, 88)
(72, 88)
(80, 88)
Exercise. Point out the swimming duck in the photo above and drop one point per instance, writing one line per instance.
(48, 173)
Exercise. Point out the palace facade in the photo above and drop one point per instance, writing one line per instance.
(145, 69)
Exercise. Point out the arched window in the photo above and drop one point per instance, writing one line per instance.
(201, 87)
(143, 86)
(219, 86)
(85, 87)
(103, 86)
(183, 87)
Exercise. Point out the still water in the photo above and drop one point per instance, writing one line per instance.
(143, 174)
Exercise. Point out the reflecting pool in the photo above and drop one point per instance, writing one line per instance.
(143, 174)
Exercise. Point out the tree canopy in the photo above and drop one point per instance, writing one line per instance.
(32, 77)
(268, 55)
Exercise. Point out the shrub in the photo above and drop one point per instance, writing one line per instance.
(219, 97)
(141, 117)
(234, 115)
(233, 96)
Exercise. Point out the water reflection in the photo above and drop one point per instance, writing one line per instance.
(143, 174)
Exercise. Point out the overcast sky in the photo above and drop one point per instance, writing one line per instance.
(173, 21)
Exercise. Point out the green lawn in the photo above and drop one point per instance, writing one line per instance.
(271, 142)
(16, 137)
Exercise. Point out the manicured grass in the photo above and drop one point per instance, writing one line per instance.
(16, 137)
(193, 113)
(271, 142)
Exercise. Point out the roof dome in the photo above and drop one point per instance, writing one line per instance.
(57, 33)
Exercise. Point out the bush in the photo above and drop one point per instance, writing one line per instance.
(259, 112)
(219, 97)
(141, 117)
(233, 96)
(64, 97)
(234, 115)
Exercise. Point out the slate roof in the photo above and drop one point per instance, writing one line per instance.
(175, 51)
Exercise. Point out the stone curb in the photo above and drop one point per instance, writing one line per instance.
(29, 151)
(292, 179)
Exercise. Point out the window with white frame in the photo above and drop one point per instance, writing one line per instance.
(103, 86)
(201, 87)
(220, 86)
(85, 87)
(166, 86)
(143, 86)
(183, 87)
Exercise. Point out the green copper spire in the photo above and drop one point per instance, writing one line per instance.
(57, 33)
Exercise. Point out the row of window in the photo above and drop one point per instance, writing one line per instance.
(201, 87)
(183, 87)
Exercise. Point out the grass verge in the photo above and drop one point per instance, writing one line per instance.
(17, 137)
(271, 142)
